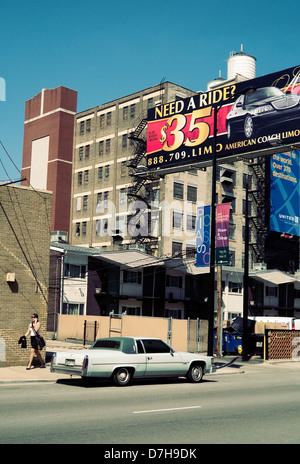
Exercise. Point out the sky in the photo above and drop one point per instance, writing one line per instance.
(109, 49)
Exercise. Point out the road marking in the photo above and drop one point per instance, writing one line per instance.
(164, 410)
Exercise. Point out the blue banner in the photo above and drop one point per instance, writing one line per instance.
(285, 191)
(203, 236)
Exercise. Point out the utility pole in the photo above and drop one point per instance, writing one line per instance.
(219, 347)
(211, 298)
(246, 280)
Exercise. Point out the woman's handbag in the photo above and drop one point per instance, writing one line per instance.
(41, 342)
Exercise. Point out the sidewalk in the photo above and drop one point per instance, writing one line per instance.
(225, 365)
(19, 374)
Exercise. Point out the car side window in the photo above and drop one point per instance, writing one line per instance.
(156, 346)
(140, 348)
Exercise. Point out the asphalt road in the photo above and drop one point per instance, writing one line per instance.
(261, 406)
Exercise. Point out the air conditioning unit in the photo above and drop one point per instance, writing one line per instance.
(10, 277)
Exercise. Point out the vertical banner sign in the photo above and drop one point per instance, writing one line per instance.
(285, 193)
(203, 236)
(222, 234)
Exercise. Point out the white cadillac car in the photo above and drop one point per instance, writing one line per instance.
(124, 358)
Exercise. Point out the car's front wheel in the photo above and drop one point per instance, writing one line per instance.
(195, 373)
(248, 127)
(122, 376)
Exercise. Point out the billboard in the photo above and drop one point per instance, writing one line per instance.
(252, 115)
(285, 193)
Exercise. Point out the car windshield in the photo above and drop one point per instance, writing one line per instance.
(107, 344)
(262, 94)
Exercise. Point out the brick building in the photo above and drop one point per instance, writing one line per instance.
(25, 216)
(48, 148)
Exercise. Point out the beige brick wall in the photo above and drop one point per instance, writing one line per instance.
(25, 216)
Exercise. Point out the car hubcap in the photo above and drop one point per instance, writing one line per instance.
(123, 375)
(248, 127)
(197, 372)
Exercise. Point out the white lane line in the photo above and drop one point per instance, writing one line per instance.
(164, 410)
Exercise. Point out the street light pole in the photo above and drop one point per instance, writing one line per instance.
(211, 297)
(246, 280)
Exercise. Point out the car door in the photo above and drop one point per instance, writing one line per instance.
(162, 360)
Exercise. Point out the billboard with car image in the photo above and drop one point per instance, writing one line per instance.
(252, 115)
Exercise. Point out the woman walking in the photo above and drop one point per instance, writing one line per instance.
(33, 330)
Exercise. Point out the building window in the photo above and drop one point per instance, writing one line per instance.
(174, 281)
(235, 287)
(85, 202)
(77, 229)
(84, 226)
(75, 271)
(132, 277)
(99, 206)
(125, 113)
(87, 151)
(106, 199)
(178, 190)
(132, 111)
(80, 153)
(271, 291)
(108, 119)
(74, 309)
(123, 196)
(177, 220)
(88, 125)
(232, 228)
(190, 251)
(107, 147)
(102, 120)
(79, 178)
(176, 249)
(247, 177)
(101, 148)
(78, 203)
(191, 222)
(150, 103)
(100, 173)
(249, 207)
(132, 310)
(123, 168)
(107, 172)
(86, 177)
(82, 128)
(124, 141)
(192, 193)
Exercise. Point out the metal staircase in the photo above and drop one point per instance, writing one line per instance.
(259, 218)
(142, 185)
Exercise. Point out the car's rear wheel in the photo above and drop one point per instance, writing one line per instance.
(195, 373)
(122, 376)
(248, 127)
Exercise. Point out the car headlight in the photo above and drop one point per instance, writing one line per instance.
(263, 109)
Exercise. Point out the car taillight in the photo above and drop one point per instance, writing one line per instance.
(85, 365)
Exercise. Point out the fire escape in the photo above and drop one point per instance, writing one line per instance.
(258, 216)
(142, 190)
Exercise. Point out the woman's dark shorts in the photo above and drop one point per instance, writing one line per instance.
(34, 343)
